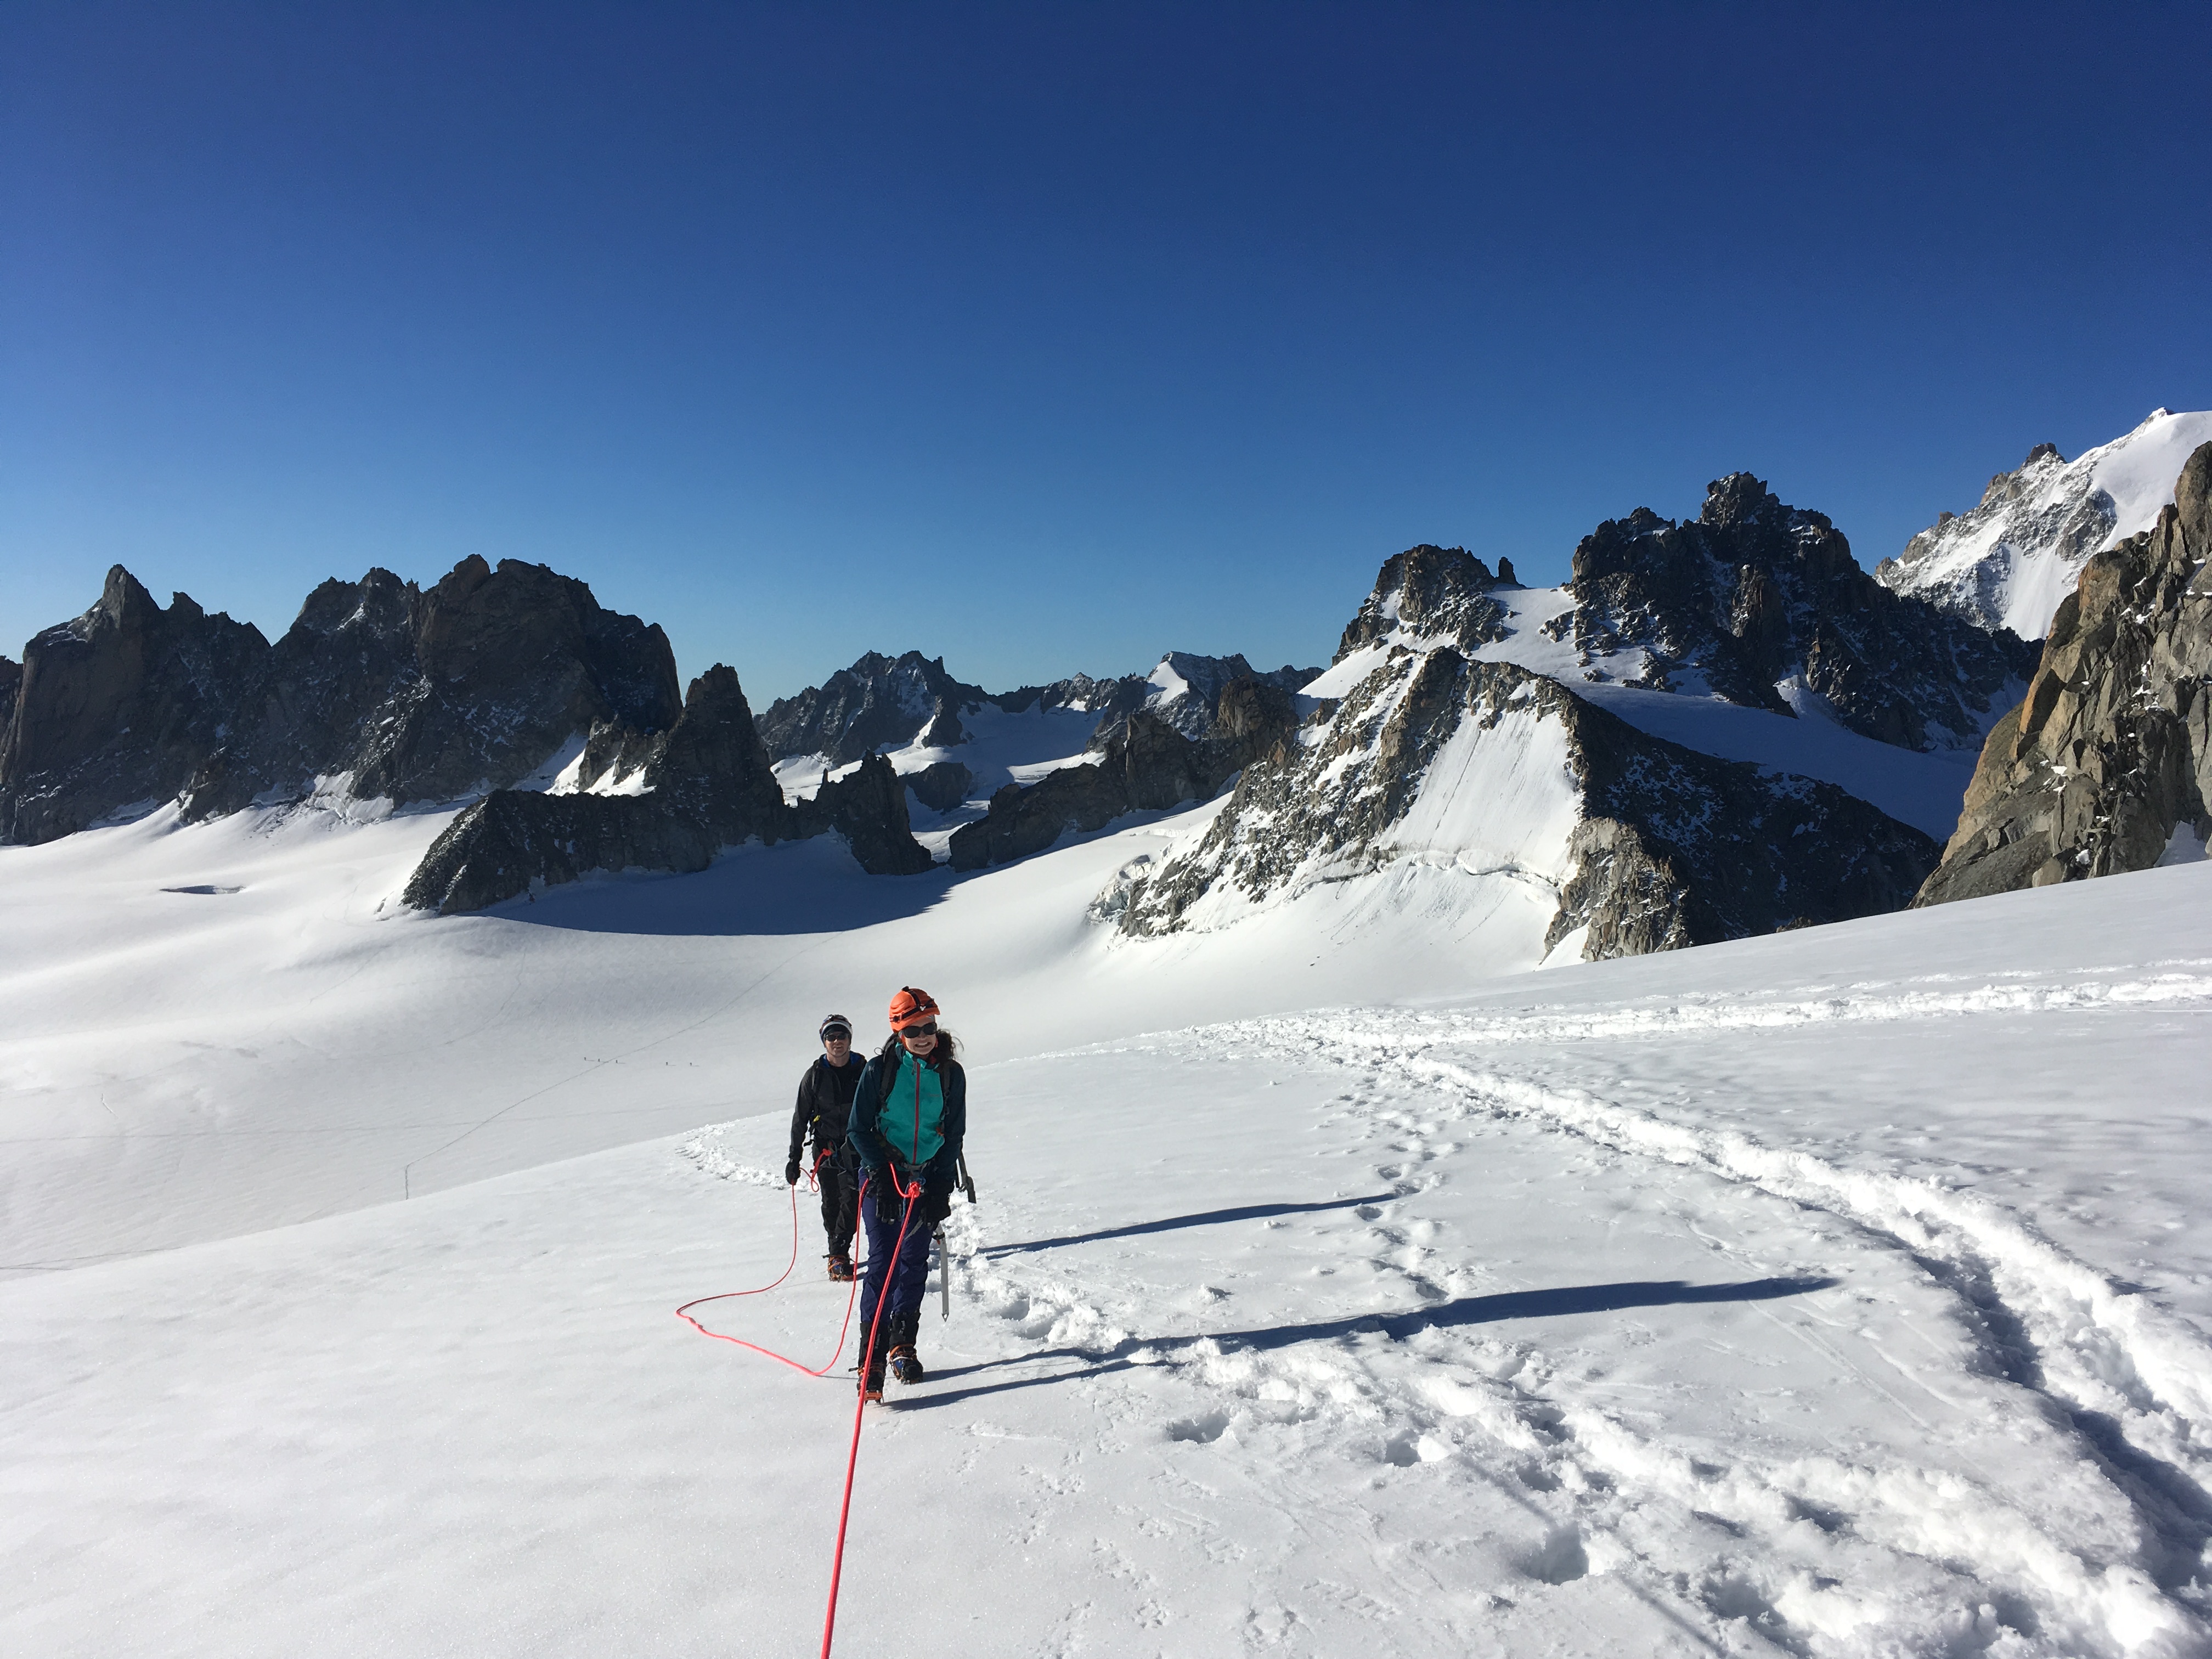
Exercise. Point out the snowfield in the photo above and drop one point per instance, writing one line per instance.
(1338, 1285)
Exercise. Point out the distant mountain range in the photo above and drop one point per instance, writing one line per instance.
(1718, 726)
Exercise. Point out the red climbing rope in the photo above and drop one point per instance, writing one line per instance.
(860, 1404)
(683, 1313)
(867, 1354)
(867, 1349)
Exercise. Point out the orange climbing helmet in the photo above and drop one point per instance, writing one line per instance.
(912, 1006)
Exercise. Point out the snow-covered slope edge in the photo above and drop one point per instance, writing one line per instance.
(2010, 561)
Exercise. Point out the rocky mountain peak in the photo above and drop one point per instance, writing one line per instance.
(2109, 756)
(1484, 784)
(1149, 763)
(393, 692)
(685, 793)
(1742, 499)
(1762, 603)
(119, 707)
(1429, 593)
(879, 701)
(2008, 562)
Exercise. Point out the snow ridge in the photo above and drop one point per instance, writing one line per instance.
(2010, 561)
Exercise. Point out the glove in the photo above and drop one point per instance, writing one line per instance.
(791, 1171)
(889, 1205)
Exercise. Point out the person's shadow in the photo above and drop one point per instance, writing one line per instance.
(1443, 1316)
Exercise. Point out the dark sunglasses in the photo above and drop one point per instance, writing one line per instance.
(929, 1030)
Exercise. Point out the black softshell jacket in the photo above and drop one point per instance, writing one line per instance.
(825, 1104)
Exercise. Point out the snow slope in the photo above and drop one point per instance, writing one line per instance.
(231, 1025)
(1840, 1292)
(2009, 562)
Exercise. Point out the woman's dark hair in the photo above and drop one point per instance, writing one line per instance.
(942, 1055)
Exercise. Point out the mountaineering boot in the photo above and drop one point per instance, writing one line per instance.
(906, 1364)
(841, 1269)
(871, 1383)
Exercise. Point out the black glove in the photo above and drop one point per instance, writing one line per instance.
(791, 1171)
(890, 1204)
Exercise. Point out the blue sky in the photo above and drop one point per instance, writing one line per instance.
(1047, 337)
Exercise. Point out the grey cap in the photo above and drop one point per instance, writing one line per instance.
(835, 1023)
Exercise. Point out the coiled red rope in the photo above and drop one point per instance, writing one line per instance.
(867, 1354)
(683, 1313)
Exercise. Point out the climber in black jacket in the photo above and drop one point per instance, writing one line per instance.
(825, 1106)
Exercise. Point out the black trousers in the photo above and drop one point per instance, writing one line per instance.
(841, 1192)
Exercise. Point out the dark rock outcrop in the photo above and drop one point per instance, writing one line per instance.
(878, 702)
(12, 680)
(867, 806)
(1681, 848)
(1149, 766)
(1753, 596)
(510, 664)
(1434, 594)
(1190, 711)
(120, 708)
(1662, 846)
(941, 785)
(706, 783)
(397, 693)
(2111, 751)
(1105, 698)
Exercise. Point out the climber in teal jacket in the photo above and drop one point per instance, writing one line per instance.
(909, 1119)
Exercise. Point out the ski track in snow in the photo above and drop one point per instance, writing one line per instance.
(2133, 1385)
(2089, 1386)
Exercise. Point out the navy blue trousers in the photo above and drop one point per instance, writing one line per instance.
(908, 1275)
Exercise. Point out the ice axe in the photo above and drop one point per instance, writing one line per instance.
(945, 1255)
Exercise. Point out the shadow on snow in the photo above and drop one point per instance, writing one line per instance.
(1169, 1223)
(793, 887)
(1445, 1316)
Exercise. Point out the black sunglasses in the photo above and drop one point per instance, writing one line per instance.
(929, 1030)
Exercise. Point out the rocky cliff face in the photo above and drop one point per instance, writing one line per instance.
(1430, 595)
(1762, 604)
(1185, 691)
(486, 681)
(2110, 752)
(685, 793)
(393, 692)
(121, 708)
(1148, 765)
(878, 702)
(2009, 562)
(1494, 771)
(883, 703)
